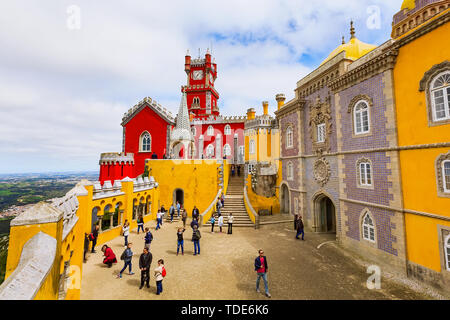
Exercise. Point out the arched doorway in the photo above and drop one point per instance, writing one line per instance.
(325, 214)
(178, 195)
(285, 203)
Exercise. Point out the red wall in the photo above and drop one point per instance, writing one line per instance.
(116, 171)
(146, 120)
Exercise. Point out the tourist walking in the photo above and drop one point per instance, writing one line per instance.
(295, 221)
(94, 237)
(261, 268)
(218, 206)
(196, 239)
(148, 238)
(195, 213)
(213, 221)
(222, 200)
(110, 257)
(171, 212)
(184, 217)
(239, 170)
(300, 228)
(230, 223)
(160, 273)
(178, 209)
(180, 240)
(158, 219)
(145, 260)
(126, 256)
(126, 231)
(140, 223)
(232, 170)
(163, 213)
(220, 222)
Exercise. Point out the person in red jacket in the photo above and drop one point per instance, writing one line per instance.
(110, 257)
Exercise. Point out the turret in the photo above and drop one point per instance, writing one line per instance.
(265, 108)
(251, 114)
(280, 99)
(187, 63)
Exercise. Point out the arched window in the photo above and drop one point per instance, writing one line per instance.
(365, 173)
(290, 171)
(210, 151)
(361, 117)
(447, 252)
(227, 150)
(210, 131)
(440, 96)
(289, 137)
(446, 175)
(194, 131)
(227, 130)
(251, 147)
(145, 142)
(368, 228)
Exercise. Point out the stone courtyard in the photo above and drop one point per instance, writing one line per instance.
(224, 269)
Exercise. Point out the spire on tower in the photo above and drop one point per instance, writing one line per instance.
(343, 40)
(352, 30)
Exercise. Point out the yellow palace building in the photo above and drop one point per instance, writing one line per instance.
(422, 97)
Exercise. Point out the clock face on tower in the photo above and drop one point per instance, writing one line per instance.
(197, 75)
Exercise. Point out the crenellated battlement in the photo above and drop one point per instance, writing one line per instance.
(116, 158)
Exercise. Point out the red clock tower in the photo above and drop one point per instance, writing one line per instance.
(200, 92)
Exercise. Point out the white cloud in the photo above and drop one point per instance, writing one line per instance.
(63, 92)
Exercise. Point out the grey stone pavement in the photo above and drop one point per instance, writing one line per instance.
(224, 269)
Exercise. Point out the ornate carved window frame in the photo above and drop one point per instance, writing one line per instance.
(290, 171)
(440, 175)
(425, 85)
(363, 214)
(351, 109)
(320, 112)
(227, 130)
(358, 174)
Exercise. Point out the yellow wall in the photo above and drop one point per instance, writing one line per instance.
(198, 179)
(418, 170)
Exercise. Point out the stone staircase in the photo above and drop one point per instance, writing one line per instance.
(234, 203)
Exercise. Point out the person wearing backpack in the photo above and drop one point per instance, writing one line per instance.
(93, 237)
(171, 212)
(145, 260)
(300, 229)
(148, 238)
(160, 273)
(126, 256)
(196, 239)
(126, 231)
(140, 223)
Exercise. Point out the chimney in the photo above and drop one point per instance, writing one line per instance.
(251, 114)
(265, 107)
(280, 99)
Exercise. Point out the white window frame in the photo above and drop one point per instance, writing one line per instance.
(210, 150)
(321, 132)
(251, 147)
(359, 114)
(289, 137)
(210, 131)
(445, 91)
(227, 148)
(444, 180)
(368, 227)
(141, 142)
(227, 130)
(365, 174)
(194, 131)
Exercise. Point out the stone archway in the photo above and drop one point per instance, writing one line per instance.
(285, 205)
(324, 214)
(178, 195)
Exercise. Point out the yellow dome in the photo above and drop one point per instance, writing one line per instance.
(408, 4)
(354, 50)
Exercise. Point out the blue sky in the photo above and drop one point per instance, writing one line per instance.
(64, 90)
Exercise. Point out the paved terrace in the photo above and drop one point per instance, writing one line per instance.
(224, 270)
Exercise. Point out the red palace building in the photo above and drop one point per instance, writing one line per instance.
(147, 127)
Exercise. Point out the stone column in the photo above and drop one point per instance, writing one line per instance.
(218, 147)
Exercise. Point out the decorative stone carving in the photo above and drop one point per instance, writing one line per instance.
(440, 176)
(320, 112)
(322, 171)
(357, 98)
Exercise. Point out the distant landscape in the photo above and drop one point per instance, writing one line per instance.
(29, 188)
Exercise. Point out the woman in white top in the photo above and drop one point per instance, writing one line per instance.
(126, 231)
(230, 223)
(159, 276)
(220, 222)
